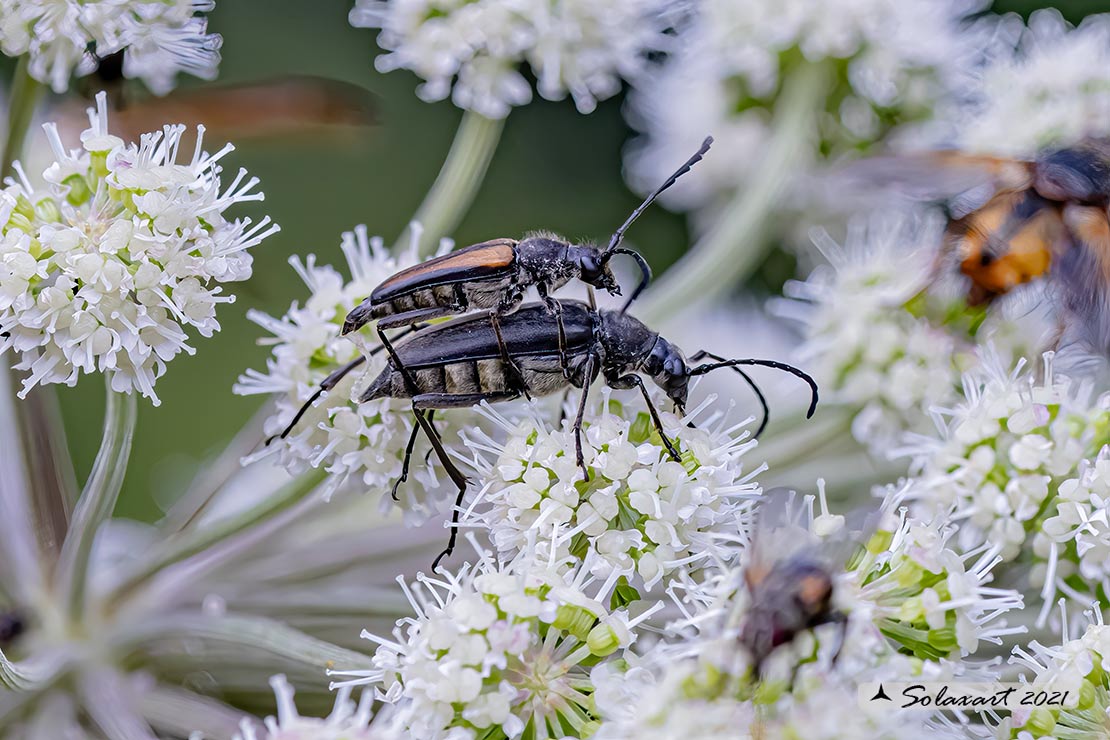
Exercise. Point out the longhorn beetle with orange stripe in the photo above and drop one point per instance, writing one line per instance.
(493, 276)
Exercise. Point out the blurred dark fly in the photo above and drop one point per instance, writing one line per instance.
(791, 576)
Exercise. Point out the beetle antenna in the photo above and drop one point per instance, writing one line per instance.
(645, 272)
(703, 369)
(751, 384)
(618, 235)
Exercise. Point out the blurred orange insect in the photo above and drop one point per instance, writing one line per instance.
(1013, 221)
(290, 106)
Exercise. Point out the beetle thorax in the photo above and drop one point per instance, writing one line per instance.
(543, 259)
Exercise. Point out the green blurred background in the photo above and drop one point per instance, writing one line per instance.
(554, 169)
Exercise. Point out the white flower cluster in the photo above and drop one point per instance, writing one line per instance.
(361, 443)
(1072, 545)
(926, 597)
(889, 58)
(496, 648)
(1005, 450)
(1044, 84)
(1082, 668)
(347, 721)
(641, 513)
(106, 266)
(473, 50)
(866, 349)
(65, 37)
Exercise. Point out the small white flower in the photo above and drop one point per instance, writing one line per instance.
(347, 721)
(105, 267)
(498, 647)
(1044, 84)
(866, 350)
(642, 512)
(1078, 666)
(474, 51)
(64, 38)
(1004, 452)
(356, 443)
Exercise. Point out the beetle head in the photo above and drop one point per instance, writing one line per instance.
(595, 270)
(667, 367)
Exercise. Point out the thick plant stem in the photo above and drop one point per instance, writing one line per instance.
(26, 92)
(458, 181)
(737, 243)
(98, 499)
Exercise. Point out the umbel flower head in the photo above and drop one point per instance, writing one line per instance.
(63, 38)
(500, 650)
(123, 248)
(474, 51)
(1079, 666)
(1043, 84)
(642, 513)
(357, 443)
(1003, 452)
(886, 62)
(867, 350)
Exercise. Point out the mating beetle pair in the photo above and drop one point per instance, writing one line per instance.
(515, 351)
(458, 364)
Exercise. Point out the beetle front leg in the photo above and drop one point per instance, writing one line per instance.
(587, 378)
(556, 310)
(632, 380)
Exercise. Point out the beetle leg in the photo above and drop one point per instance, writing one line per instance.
(453, 472)
(410, 382)
(632, 380)
(556, 310)
(408, 458)
(333, 380)
(587, 378)
(510, 363)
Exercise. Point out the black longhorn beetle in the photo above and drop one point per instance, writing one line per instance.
(459, 363)
(493, 275)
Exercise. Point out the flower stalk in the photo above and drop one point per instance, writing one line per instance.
(26, 93)
(458, 181)
(734, 247)
(98, 499)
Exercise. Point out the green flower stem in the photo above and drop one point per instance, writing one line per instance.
(458, 181)
(26, 92)
(738, 242)
(219, 641)
(216, 472)
(193, 540)
(98, 499)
